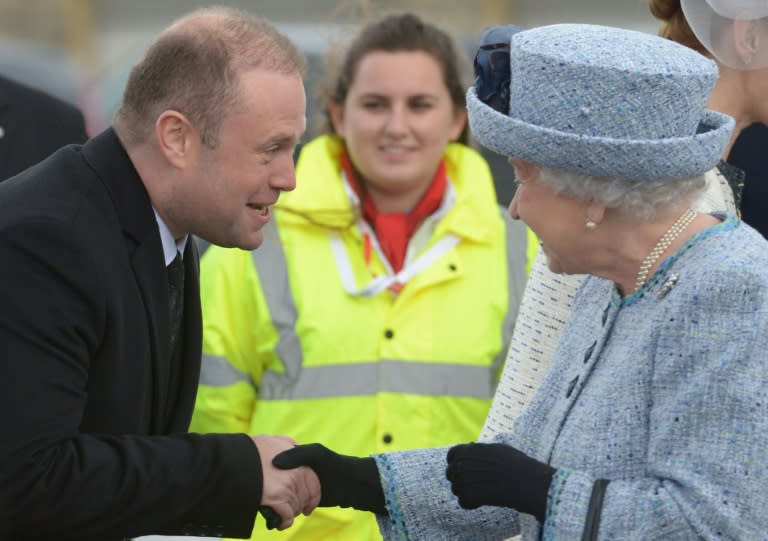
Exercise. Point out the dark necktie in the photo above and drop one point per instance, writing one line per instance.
(176, 297)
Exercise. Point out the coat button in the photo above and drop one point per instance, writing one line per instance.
(389, 334)
(387, 438)
(589, 351)
(571, 387)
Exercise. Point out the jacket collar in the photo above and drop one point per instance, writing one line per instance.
(320, 196)
(108, 158)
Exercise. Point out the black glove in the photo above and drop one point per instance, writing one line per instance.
(345, 481)
(271, 517)
(500, 475)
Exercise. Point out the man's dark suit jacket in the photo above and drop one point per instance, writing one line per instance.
(92, 442)
(33, 125)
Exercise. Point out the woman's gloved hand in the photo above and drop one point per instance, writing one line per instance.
(345, 481)
(500, 475)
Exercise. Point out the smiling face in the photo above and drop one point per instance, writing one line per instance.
(396, 120)
(233, 187)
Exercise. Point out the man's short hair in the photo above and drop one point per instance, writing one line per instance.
(193, 67)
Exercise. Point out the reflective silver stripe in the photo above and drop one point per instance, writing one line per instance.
(361, 379)
(271, 265)
(517, 243)
(272, 268)
(218, 372)
(356, 379)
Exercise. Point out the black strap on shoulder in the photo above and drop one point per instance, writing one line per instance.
(736, 178)
(592, 524)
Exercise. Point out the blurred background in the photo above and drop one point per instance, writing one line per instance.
(82, 50)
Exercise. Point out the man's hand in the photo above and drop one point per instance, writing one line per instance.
(286, 492)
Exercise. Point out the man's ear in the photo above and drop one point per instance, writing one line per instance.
(746, 37)
(178, 140)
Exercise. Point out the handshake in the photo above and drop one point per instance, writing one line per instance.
(297, 479)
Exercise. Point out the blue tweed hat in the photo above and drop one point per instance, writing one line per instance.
(605, 101)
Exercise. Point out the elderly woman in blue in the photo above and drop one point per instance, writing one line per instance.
(652, 421)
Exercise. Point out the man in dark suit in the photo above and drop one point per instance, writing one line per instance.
(33, 125)
(99, 358)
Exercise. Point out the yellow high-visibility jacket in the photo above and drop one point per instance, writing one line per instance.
(294, 344)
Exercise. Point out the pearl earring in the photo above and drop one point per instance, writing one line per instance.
(591, 226)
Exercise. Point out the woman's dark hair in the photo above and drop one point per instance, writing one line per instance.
(397, 33)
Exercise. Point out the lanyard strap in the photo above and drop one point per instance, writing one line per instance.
(389, 280)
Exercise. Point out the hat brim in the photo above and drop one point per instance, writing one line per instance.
(629, 159)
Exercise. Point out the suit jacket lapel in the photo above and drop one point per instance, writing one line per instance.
(154, 291)
(113, 166)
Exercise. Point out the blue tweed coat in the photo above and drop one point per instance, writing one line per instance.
(664, 393)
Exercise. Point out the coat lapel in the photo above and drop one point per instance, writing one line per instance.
(109, 159)
(153, 286)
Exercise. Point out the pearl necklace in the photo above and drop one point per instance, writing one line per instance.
(664, 242)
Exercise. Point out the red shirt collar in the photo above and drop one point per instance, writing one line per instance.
(394, 229)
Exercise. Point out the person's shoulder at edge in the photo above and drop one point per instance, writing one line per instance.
(11, 88)
(39, 103)
(739, 246)
(729, 266)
